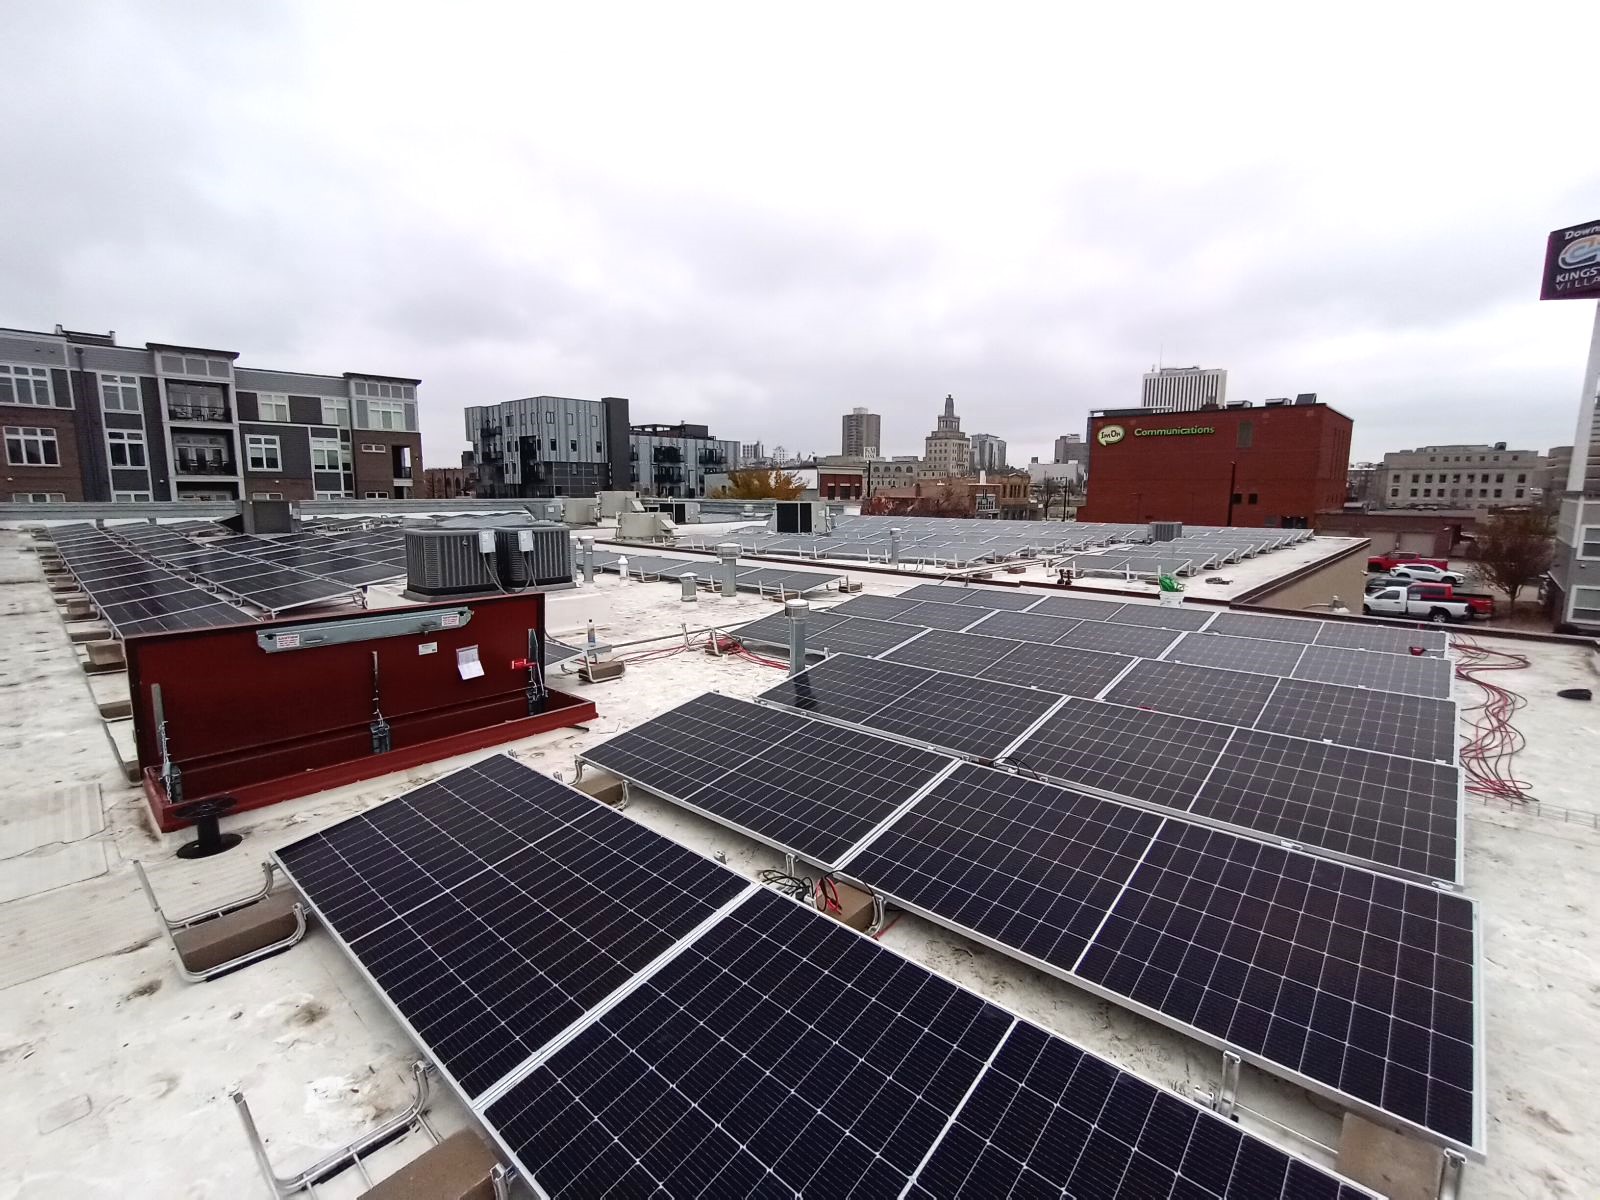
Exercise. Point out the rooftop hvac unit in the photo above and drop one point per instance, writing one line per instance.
(538, 557)
(645, 527)
(801, 516)
(1166, 531)
(1306, 398)
(456, 562)
(1276, 402)
(580, 510)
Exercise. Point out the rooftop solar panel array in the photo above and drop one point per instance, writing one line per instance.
(132, 595)
(701, 1069)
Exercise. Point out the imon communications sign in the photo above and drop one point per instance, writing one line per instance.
(1572, 263)
(1181, 431)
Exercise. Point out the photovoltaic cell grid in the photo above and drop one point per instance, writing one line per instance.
(1391, 722)
(495, 907)
(953, 712)
(1237, 653)
(807, 787)
(1373, 637)
(1356, 983)
(1065, 670)
(1229, 697)
(1419, 676)
(782, 1054)
(134, 596)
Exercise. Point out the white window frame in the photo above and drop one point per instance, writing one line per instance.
(120, 393)
(18, 375)
(41, 435)
(336, 411)
(194, 366)
(373, 448)
(331, 496)
(395, 409)
(263, 443)
(375, 389)
(325, 447)
(128, 439)
(266, 495)
(130, 497)
(1577, 596)
(375, 495)
(38, 497)
(279, 403)
(1589, 535)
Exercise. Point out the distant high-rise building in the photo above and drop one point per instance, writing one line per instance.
(1182, 389)
(752, 454)
(1071, 448)
(862, 434)
(947, 451)
(988, 452)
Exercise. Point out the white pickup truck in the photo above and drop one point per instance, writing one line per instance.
(1431, 603)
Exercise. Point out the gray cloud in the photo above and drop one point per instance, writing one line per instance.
(760, 227)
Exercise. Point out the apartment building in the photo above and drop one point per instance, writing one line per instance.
(87, 419)
(862, 434)
(988, 452)
(1466, 476)
(562, 446)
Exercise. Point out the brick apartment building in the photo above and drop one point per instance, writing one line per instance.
(87, 419)
(1275, 465)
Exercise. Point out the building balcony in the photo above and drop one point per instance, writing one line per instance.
(200, 413)
(402, 474)
(203, 466)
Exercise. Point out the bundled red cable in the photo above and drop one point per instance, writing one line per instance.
(1486, 755)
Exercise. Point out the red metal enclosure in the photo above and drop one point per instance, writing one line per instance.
(268, 726)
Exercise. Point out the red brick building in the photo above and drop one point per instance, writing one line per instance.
(1274, 465)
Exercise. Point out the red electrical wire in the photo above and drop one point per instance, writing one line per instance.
(887, 927)
(1486, 755)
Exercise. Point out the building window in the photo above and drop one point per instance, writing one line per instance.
(1427, 491)
(372, 448)
(376, 495)
(326, 454)
(38, 497)
(272, 406)
(1522, 479)
(1519, 494)
(1483, 493)
(1415, 479)
(266, 495)
(598, 448)
(119, 393)
(261, 452)
(574, 445)
(127, 447)
(384, 391)
(335, 411)
(386, 414)
(27, 446)
(188, 364)
(1497, 493)
(1427, 479)
(25, 385)
(1413, 493)
(552, 444)
(1252, 498)
(330, 495)
(130, 497)
(1500, 478)
(1394, 493)
(1586, 605)
(1246, 436)
(1237, 498)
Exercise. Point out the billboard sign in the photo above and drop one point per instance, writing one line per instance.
(1110, 435)
(1572, 263)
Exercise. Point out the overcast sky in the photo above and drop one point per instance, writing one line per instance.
(758, 216)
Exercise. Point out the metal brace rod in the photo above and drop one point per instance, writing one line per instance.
(1452, 1164)
(877, 914)
(1228, 1092)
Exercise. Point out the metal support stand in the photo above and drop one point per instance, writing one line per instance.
(537, 693)
(788, 865)
(381, 741)
(171, 776)
(877, 914)
(171, 926)
(1452, 1164)
(1228, 1092)
(351, 1155)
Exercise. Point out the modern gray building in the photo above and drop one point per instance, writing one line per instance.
(863, 434)
(562, 446)
(87, 419)
(988, 452)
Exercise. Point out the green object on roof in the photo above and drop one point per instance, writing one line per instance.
(1169, 583)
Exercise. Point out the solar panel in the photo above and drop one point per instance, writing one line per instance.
(1065, 670)
(846, 688)
(1253, 625)
(777, 1054)
(1396, 812)
(1237, 653)
(939, 593)
(558, 652)
(939, 616)
(880, 608)
(1415, 726)
(1125, 751)
(986, 598)
(1077, 608)
(806, 787)
(1112, 638)
(1231, 697)
(1163, 617)
(774, 630)
(1030, 866)
(1376, 637)
(860, 635)
(494, 907)
(1359, 984)
(1048, 1119)
(1418, 676)
(960, 653)
(1025, 626)
(1289, 959)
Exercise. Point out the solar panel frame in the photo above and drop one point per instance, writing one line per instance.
(1412, 726)
(959, 653)
(1261, 625)
(1206, 693)
(1258, 655)
(1161, 616)
(1112, 637)
(1065, 670)
(1383, 638)
(1025, 626)
(1077, 608)
(1419, 676)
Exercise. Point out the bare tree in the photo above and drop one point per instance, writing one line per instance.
(1514, 549)
(1049, 489)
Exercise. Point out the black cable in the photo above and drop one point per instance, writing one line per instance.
(797, 886)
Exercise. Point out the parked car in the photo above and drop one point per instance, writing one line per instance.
(1426, 573)
(1403, 558)
(1429, 601)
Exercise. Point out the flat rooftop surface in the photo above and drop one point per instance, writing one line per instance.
(118, 1072)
